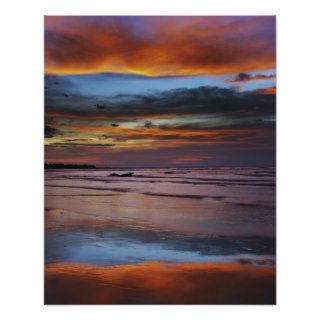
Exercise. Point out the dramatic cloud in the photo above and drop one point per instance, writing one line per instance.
(202, 100)
(50, 132)
(160, 91)
(243, 77)
(159, 45)
(181, 120)
(148, 124)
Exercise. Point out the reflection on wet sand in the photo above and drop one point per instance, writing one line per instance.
(73, 237)
(159, 283)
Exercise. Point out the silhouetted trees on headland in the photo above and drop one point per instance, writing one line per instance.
(68, 166)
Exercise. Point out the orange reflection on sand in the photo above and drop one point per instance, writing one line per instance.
(159, 283)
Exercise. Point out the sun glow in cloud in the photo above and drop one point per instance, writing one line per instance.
(159, 46)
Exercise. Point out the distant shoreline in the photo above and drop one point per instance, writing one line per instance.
(87, 166)
(68, 166)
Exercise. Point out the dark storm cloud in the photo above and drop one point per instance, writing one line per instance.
(148, 124)
(197, 101)
(243, 77)
(50, 132)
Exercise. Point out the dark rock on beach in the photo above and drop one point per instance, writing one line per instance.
(129, 174)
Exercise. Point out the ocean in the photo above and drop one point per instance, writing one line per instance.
(168, 215)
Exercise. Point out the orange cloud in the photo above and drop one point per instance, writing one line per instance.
(154, 131)
(155, 138)
(159, 283)
(104, 116)
(159, 46)
(270, 90)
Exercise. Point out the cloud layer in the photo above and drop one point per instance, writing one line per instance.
(159, 45)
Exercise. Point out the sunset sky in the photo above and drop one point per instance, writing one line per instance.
(160, 91)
